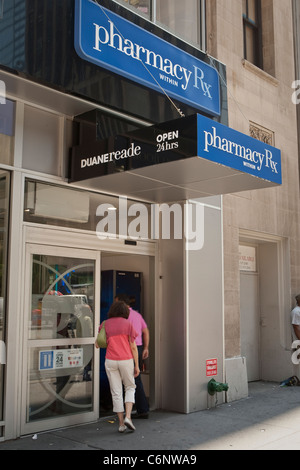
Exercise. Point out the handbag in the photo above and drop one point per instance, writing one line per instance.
(101, 338)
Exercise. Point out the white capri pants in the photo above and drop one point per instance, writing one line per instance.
(118, 373)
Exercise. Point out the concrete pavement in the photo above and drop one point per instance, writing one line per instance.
(269, 419)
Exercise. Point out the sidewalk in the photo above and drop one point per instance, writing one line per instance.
(269, 419)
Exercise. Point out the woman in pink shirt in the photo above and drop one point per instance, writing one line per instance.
(121, 361)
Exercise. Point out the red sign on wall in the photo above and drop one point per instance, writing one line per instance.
(211, 367)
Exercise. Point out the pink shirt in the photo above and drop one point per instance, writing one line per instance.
(118, 332)
(138, 323)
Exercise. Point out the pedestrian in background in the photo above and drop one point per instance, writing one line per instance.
(295, 319)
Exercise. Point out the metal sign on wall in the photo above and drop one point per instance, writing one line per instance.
(247, 258)
(114, 43)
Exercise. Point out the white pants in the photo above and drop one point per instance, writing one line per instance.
(120, 373)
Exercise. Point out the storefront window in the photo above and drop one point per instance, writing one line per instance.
(41, 137)
(181, 18)
(143, 6)
(184, 19)
(65, 207)
(4, 214)
(7, 122)
(13, 27)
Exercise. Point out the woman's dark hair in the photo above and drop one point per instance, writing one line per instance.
(118, 309)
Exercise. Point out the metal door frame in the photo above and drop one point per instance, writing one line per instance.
(53, 250)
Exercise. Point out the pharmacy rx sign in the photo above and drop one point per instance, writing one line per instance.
(114, 43)
(184, 139)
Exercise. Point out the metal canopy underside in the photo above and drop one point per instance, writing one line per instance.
(190, 178)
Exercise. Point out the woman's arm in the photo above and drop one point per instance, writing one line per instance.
(135, 358)
(297, 330)
(146, 337)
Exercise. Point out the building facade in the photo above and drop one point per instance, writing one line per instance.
(149, 146)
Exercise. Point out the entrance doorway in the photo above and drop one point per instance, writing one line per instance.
(264, 303)
(61, 315)
(132, 275)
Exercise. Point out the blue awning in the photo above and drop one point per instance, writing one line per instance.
(187, 158)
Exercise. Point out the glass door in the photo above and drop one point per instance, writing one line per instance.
(59, 355)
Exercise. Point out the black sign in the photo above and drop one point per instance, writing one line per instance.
(167, 142)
